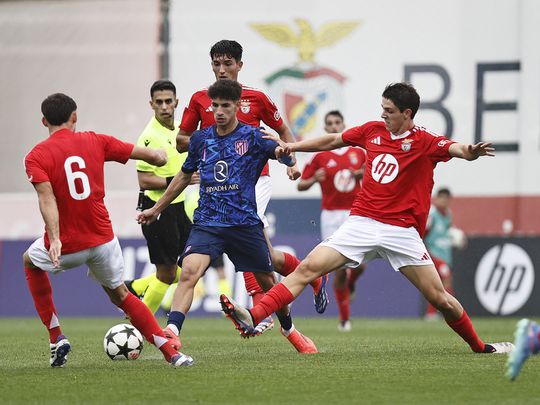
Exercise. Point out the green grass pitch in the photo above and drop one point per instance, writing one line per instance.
(380, 361)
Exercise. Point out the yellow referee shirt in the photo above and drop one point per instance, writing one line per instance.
(157, 136)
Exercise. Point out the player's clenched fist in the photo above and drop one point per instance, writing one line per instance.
(147, 216)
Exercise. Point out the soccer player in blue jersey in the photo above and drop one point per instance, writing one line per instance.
(229, 157)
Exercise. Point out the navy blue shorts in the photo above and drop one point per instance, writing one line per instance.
(245, 245)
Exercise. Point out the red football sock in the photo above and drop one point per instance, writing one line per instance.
(464, 328)
(41, 290)
(253, 288)
(291, 263)
(342, 299)
(141, 317)
(276, 298)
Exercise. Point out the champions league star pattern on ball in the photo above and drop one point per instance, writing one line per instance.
(123, 342)
(225, 167)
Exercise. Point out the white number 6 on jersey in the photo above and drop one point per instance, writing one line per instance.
(74, 175)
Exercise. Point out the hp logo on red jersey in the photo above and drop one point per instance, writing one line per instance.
(384, 169)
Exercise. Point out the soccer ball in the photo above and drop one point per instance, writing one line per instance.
(123, 342)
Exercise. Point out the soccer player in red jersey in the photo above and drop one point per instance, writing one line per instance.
(67, 172)
(388, 215)
(339, 173)
(255, 107)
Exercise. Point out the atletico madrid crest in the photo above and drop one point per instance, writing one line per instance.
(241, 147)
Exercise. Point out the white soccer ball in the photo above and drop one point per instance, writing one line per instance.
(123, 342)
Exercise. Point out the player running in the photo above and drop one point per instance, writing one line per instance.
(67, 172)
(229, 157)
(255, 107)
(388, 216)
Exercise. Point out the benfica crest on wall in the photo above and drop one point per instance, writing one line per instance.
(306, 91)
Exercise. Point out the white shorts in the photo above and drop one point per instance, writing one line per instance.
(105, 262)
(362, 239)
(263, 192)
(331, 220)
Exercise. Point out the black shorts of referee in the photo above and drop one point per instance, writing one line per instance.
(166, 237)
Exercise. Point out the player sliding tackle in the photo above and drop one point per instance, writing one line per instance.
(388, 216)
(229, 157)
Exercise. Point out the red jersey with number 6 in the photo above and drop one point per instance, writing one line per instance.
(340, 187)
(255, 107)
(398, 179)
(73, 163)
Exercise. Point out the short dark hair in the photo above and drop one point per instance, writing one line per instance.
(337, 113)
(225, 89)
(403, 95)
(57, 108)
(444, 191)
(227, 47)
(162, 85)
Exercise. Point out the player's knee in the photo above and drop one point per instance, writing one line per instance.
(308, 269)
(189, 274)
(440, 300)
(118, 294)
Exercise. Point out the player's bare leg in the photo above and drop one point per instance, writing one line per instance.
(193, 268)
(427, 281)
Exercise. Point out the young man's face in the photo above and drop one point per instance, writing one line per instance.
(224, 111)
(164, 103)
(393, 118)
(333, 124)
(225, 67)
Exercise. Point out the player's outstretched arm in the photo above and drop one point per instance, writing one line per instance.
(156, 157)
(325, 142)
(471, 152)
(182, 141)
(49, 212)
(179, 182)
